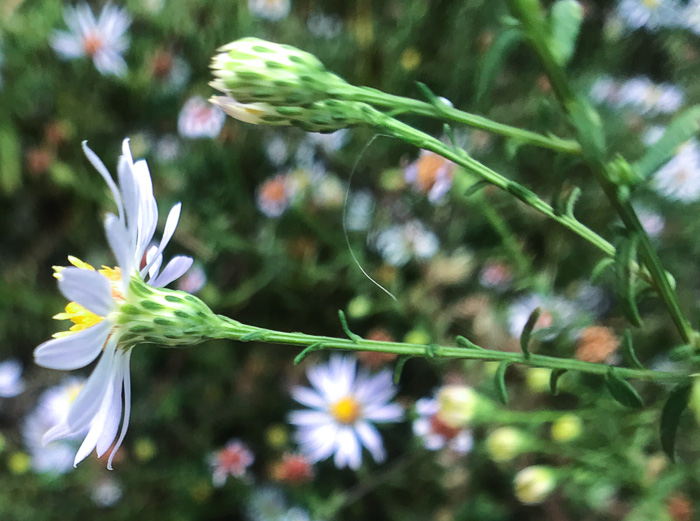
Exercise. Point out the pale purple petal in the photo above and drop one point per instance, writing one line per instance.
(175, 269)
(306, 396)
(169, 230)
(118, 239)
(125, 358)
(102, 170)
(114, 412)
(86, 404)
(74, 350)
(309, 418)
(97, 425)
(109, 61)
(90, 289)
(348, 451)
(386, 413)
(370, 438)
(66, 45)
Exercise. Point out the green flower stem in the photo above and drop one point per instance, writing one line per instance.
(536, 28)
(234, 330)
(422, 140)
(443, 111)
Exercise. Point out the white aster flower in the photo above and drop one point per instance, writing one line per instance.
(324, 25)
(679, 179)
(431, 174)
(399, 243)
(344, 405)
(106, 492)
(329, 142)
(232, 460)
(11, 383)
(360, 206)
(652, 14)
(649, 98)
(436, 433)
(200, 119)
(102, 39)
(556, 313)
(95, 308)
(273, 10)
(52, 407)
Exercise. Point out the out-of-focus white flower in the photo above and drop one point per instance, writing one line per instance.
(275, 195)
(652, 222)
(556, 314)
(276, 149)
(496, 275)
(679, 179)
(11, 383)
(649, 98)
(269, 504)
(171, 70)
(399, 243)
(102, 39)
(273, 10)
(106, 492)
(200, 119)
(430, 174)
(233, 460)
(329, 192)
(51, 409)
(605, 90)
(691, 16)
(323, 25)
(167, 148)
(193, 281)
(329, 141)
(436, 433)
(344, 404)
(359, 210)
(95, 308)
(652, 14)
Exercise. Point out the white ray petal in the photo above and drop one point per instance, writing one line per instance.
(86, 404)
(75, 350)
(102, 170)
(97, 425)
(168, 231)
(371, 439)
(114, 413)
(118, 239)
(125, 357)
(90, 289)
(175, 269)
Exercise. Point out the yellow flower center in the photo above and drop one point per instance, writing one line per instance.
(651, 4)
(81, 317)
(346, 410)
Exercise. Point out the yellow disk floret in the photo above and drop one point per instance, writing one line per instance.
(346, 410)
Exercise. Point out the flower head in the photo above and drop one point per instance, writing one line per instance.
(11, 383)
(534, 484)
(652, 14)
(273, 10)
(344, 405)
(199, 119)
(398, 243)
(102, 39)
(232, 460)
(436, 432)
(679, 178)
(114, 309)
(431, 174)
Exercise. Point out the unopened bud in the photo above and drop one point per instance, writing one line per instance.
(460, 405)
(253, 70)
(505, 443)
(534, 484)
(567, 428)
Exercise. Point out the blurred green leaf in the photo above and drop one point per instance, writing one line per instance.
(565, 23)
(527, 331)
(625, 256)
(681, 129)
(622, 391)
(500, 381)
(554, 380)
(493, 60)
(670, 417)
(10, 163)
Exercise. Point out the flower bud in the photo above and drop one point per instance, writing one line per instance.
(253, 70)
(505, 443)
(534, 484)
(163, 316)
(460, 405)
(567, 428)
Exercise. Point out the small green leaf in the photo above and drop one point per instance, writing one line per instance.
(565, 23)
(590, 130)
(306, 352)
(554, 380)
(625, 256)
(249, 337)
(398, 369)
(622, 391)
(493, 60)
(344, 323)
(600, 268)
(476, 187)
(527, 331)
(466, 343)
(571, 201)
(670, 417)
(500, 380)
(628, 350)
(681, 129)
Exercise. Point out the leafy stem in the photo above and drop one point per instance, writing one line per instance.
(234, 330)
